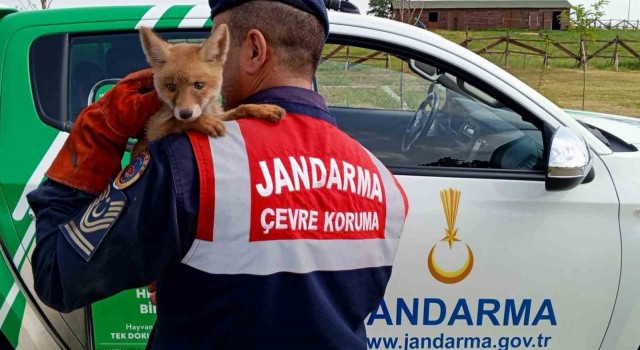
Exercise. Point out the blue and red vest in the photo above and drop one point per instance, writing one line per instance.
(297, 230)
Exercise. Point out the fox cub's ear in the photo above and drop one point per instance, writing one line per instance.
(216, 46)
(154, 47)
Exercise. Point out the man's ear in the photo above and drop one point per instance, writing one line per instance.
(215, 48)
(260, 54)
(155, 48)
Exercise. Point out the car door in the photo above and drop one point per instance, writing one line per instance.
(27, 146)
(488, 258)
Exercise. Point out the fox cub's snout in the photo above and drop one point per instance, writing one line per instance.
(187, 77)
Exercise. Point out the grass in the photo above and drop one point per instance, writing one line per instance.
(377, 86)
(378, 81)
(606, 91)
(570, 40)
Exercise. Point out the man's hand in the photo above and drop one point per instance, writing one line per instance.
(90, 158)
(152, 293)
(130, 103)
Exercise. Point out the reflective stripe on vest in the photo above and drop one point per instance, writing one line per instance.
(299, 197)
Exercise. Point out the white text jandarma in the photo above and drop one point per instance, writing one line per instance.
(312, 173)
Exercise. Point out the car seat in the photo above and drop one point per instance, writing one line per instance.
(122, 60)
(84, 75)
(522, 153)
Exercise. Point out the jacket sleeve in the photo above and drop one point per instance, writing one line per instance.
(89, 248)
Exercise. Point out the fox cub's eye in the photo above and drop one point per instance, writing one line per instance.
(172, 87)
(199, 85)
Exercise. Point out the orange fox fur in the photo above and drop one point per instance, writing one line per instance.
(188, 78)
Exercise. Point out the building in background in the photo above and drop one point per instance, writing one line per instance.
(482, 14)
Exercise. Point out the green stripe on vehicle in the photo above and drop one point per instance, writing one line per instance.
(173, 16)
(12, 306)
(13, 323)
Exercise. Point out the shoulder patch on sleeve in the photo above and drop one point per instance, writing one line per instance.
(88, 228)
(132, 172)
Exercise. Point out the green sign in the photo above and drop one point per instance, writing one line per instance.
(123, 321)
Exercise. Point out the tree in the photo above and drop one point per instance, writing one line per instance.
(380, 8)
(582, 20)
(409, 11)
(34, 4)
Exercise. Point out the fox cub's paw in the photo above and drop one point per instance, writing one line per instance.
(271, 113)
(267, 112)
(138, 147)
(211, 126)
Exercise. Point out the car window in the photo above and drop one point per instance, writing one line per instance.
(413, 114)
(103, 59)
(378, 75)
(69, 71)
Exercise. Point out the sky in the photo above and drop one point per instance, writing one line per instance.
(617, 9)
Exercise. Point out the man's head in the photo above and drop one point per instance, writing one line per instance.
(272, 44)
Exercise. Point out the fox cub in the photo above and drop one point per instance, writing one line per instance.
(188, 78)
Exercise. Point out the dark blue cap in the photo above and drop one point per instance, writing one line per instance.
(315, 7)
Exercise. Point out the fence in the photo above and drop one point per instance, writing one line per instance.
(549, 49)
(581, 52)
(616, 24)
(351, 60)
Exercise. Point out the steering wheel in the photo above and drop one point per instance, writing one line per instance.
(422, 120)
(95, 90)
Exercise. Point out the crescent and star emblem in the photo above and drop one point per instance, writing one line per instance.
(450, 201)
(132, 172)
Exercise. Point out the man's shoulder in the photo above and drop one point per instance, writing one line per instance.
(174, 154)
(175, 142)
(299, 128)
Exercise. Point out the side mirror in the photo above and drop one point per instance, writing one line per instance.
(424, 70)
(341, 6)
(570, 160)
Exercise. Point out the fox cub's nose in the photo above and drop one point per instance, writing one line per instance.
(185, 114)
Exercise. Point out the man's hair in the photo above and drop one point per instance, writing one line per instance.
(297, 37)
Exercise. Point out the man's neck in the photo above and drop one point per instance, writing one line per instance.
(279, 78)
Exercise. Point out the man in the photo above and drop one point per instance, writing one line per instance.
(275, 236)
